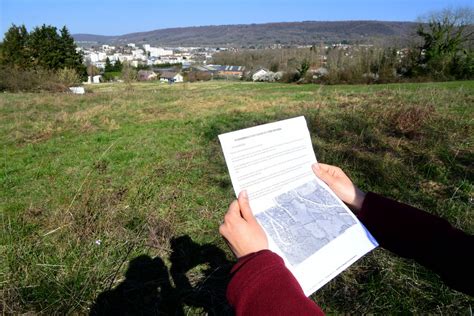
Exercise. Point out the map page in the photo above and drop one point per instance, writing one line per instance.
(306, 224)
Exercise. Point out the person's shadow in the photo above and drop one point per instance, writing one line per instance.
(147, 288)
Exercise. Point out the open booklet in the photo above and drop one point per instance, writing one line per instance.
(306, 224)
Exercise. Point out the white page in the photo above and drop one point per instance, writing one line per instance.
(307, 225)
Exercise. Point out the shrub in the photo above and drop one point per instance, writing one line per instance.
(68, 77)
(199, 76)
(112, 75)
(409, 121)
(16, 80)
(290, 76)
(35, 80)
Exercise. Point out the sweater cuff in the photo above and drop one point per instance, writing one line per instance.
(244, 270)
(244, 259)
(262, 285)
(366, 209)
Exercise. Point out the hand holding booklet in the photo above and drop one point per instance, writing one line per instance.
(306, 223)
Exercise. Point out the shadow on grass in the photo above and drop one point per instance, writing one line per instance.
(147, 288)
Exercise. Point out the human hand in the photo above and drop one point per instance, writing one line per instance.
(241, 230)
(340, 184)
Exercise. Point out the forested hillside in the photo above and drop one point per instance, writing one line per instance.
(291, 33)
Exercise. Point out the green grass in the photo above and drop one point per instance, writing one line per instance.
(135, 168)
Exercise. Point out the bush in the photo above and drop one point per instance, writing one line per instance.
(199, 76)
(409, 121)
(68, 77)
(129, 74)
(112, 75)
(290, 76)
(35, 80)
(17, 80)
(462, 66)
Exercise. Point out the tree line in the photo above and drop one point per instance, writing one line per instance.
(45, 57)
(440, 50)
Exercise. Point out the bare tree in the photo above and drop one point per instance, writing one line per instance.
(447, 41)
(129, 74)
(449, 29)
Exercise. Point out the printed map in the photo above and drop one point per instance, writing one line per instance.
(304, 220)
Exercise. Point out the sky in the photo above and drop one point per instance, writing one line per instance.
(117, 17)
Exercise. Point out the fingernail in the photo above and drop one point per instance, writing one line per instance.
(244, 194)
(315, 166)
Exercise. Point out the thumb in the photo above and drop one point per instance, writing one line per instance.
(245, 206)
(322, 174)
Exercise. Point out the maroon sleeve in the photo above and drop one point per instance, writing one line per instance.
(262, 285)
(428, 239)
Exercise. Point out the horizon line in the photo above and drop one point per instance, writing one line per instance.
(239, 24)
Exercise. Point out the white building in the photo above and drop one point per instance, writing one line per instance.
(97, 56)
(123, 58)
(139, 54)
(94, 79)
(157, 51)
(100, 64)
(113, 57)
(171, 77)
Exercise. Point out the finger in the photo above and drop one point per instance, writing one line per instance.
(245, 209)
(318, 168)
(323, 166)
(322, 172)
(234, 209)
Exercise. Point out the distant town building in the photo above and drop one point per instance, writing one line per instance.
(107, 47)
(146, 75)
(228, 71)
(156, 51)
(100, 64)
(148, 55)
(97, 56)
(94, 79)
(237, 71)
(171, 77)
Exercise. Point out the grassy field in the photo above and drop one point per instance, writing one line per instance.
(116, 196)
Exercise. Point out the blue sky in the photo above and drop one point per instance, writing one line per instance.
(115, 17)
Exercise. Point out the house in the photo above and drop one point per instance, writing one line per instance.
(198, 73)
(228, 71)
(201, 68)
(171, 77)
(94, 79)
(156, 51)
(99, 64)
(146, 75)
(236, 71)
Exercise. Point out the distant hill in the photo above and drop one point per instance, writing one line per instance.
(286, 33)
